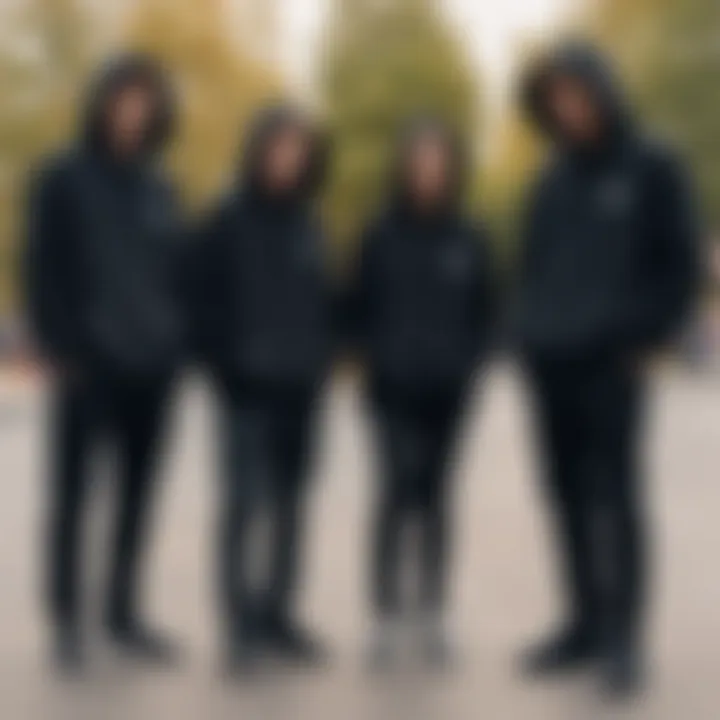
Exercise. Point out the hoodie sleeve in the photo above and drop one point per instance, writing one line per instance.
(531, 234)
(359, 295)
(486, 305)
(184, 260)
(206, 282)
(674, 250)
(49, 267)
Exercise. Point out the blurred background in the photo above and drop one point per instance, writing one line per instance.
(363, 65)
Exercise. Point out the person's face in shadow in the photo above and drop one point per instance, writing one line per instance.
(428, 170)
(130, 114)
(574, 111)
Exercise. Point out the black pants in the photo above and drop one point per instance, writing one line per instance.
(266, 444)
(128, 412)
(415, 436)
(589, 416)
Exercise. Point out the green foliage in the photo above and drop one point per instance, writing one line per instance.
(50, 48)
(513, 161)
(507, 178)
(220, 86)
(386, 61)
(44, 57)
(670, 51)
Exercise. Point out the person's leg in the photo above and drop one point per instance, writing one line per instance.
(397, 448)
(289, 448)
(70, 428)
(440, 425)
(292, 430)
(245, 457)
(618, 439)
(562, 427)
(439, 432)
(139, 409)
(390, 515)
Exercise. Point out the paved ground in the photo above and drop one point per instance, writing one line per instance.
(502, 591)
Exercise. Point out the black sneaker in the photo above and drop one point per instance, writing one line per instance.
(623, 674)
(383, 646)
(567, 652)
(68, 652)
(241, 660)
(143, 644)
(244, 648)
(437, 650)
(291, 642)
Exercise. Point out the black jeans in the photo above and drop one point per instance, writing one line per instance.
(127, 411)
(415, 434)
(266, 446)
(589, 422)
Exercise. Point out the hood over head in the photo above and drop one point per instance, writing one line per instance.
(585, 63)
(414, 131)
(266, 126)
(125, 71)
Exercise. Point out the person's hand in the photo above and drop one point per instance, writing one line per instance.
(639, 363)
(55, 370)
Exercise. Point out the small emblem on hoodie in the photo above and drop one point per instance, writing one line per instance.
(308, 253)
(158, 214)
(615, 196)
(455, 263)
(159, 221)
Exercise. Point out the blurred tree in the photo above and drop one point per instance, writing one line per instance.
(258, 25)
(49, 48)
(670, 53)
(513, 160)
(220, 85)
(506, 181)
(384, 61)
(45, 53)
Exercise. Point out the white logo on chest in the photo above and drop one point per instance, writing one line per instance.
(615, 196)
(454, 263)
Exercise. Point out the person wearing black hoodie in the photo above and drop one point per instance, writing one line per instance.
(264, 330)
(421, 309)
(103, 273)
(608, 275)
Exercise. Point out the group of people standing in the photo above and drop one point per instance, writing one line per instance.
(121, 294)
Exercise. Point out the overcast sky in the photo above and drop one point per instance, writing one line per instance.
(492, 27)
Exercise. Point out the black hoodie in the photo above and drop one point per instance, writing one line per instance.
(611, 245)
(422, 305)
(104, 250)
(262, 292)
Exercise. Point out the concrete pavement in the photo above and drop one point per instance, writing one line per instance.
(503, 590)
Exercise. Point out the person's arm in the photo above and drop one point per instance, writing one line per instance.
(334, 291)
(674, 252)
(205, 266)
(357, 302)
(49, 271)
(531, 234)
(486, 294)
(182, 257)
